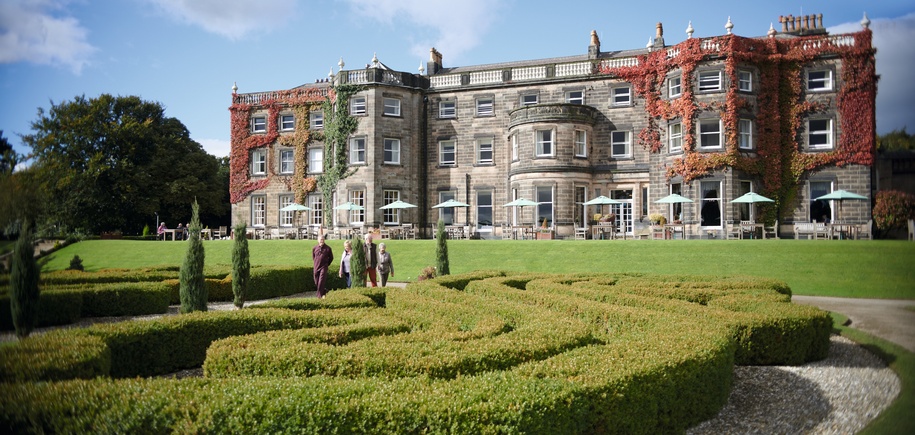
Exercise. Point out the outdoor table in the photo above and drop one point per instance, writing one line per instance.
(602, 231)
(843, 231)
(173, 232)
(671, 229)
(523, 232)
(751, 228)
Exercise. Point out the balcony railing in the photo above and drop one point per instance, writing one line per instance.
(310, 93)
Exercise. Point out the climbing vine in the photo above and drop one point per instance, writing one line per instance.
(780, 109)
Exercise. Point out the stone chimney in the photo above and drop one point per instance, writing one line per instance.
(594, 48)
(659, 36)
(435, 62)
(802, 25)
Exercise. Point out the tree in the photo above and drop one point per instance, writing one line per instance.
(892, 208)
(357, 262)
(241, 265)
(112, 163)
(8, 157)
(338, 126)
(896, 140)
(24, 292)
(441, 251)
(193, 291)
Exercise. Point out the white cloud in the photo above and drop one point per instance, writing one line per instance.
(30, 31)
(216, 147)
(468, 21)
(895, 63)
(233, 19)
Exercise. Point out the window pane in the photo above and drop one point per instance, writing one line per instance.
(391, 216)
(527, 100)
(447, 153)
(484, 210)
(317, 120)
(392, 151)
(357, 150)
(545, 208)
(446, 109)
(446, 213)
(357, 197)
(820, 211)
(259, 124)
(711, 204)
(575, 97)
(258, 210)
(674, 87)
(544, 142)
(675, 137)
(581, 143)
(621, 96)
(357, 106)
(745, 81)
(392, 107)
(286, 161)
(484, 149)
(619, 144)
(710, 134)
(484, 107)
(316, 202)
(710, 81)
(745, 127)
(287, 122)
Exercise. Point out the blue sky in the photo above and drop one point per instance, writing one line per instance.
(186, 54)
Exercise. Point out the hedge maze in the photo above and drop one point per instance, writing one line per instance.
(487, 352)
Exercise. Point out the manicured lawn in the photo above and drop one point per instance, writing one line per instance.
(868, 269)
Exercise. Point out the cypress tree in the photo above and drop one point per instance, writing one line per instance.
(241, 265)
(441, 251)
(357, 262)
(193, 289)
(24, 293)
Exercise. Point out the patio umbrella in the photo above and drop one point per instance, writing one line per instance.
(295, 207)
(839, 196)
(397, 205)
(349, 206)
(520, 202)
(451, 203)
(601, 200)
(673, 198)
(751, 198)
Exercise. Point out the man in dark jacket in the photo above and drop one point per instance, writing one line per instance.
(322, 256)
(371, 260)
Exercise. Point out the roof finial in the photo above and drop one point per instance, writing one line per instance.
(649, 44)
(330, 74)
(865, 22)
(421, 69)
(234, 88)
(729, 25)
(771, 31)
(341, 64)
(689, 30)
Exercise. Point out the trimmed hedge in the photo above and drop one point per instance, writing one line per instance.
(478, 353)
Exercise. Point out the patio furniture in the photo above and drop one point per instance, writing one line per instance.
(671, 231)
(407, 231)
(733, 231)
(657, 232)
(865, 231)
(506, 232)
(911, 223)
(770, 231)
(581, 233)
(814, 230)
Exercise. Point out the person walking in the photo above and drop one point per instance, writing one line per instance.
(345, 263)
(385, 265)
(321, 256)
(371, 260)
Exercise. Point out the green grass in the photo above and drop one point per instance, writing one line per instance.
(897, 419)
(862, 269)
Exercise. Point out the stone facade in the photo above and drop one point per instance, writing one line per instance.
(559, 132)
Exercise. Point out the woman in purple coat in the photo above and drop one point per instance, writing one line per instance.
(322, 256)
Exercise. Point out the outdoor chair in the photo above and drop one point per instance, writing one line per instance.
(865, 231)
(657, 232)
(407, 231)
(912, 229)
(770, 231)
(581, 233)
(733, 232)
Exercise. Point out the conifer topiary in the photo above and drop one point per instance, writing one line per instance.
(357, 262)
(76, 263)
(441, 251)
(24, 292)
(193, 289)
(241, 265)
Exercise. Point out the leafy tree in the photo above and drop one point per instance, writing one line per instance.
(357, 262)
(24, 292)
(193, 291)
(8, 157)
(241, 265)
(896, 140)
(441, 251)
(892, 208)
(112, 163)
(338, 126)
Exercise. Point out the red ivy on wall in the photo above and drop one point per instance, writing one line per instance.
(779, 159)
(244, 141)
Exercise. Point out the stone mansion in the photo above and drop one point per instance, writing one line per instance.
(789, 115)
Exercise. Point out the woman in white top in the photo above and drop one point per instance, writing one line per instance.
(385, 265)
(344, 263)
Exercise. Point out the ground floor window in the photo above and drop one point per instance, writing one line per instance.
(710, 212)
(391, 216)
(357, 216)
(484, 210)
(578, 208)
(745, 211)
(258, 210)
(820, 211)
(446, 213)
(287, 218)
(545, 206)
(316, 203)
(622, 211)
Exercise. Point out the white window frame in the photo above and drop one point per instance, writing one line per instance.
(357, 216)
(580, 142)
(827, 133)
(675, 140)
(287, 161)
(392, 147)
(822, 83)
(258, 210)
(287, 122)
(316, 203)
(486, 106)
(744, 81)
(674, 87)
(443, 159)
(621, 96)
(391, 216)
(358, 106)
(316, 120)
(357, 151)
(259, 162)
(485, 151)
(259, 124)
(703, 200)
(745, 134)
(545, 196)
(447, 109)
(541, 144)
(703, 135)
(316, 155)
(391, 107)
(287, 218)
(447, 214)
(482, 207)
(575, 97)
(709, 81)
(529, 99)
(515, 150)
(625, 141)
